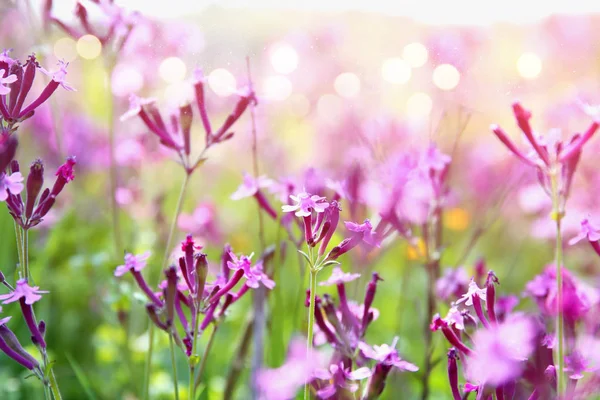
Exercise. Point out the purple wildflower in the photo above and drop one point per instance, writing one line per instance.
(387, 355)
(338, 276)
(305, 204)
(132, 263)
(339, 377)
(250, 186)
(499, 351)
(23, 291)
(588, 231)
(4, 90)
(12, 184)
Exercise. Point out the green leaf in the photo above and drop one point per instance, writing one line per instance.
(81, 377)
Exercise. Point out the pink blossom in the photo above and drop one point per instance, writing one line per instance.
(588, 231)
(23, 290)
(365, 230)
(434, 159)
(135, 106)
(338, 277)
(339, 377)
(282, 383)
(12, 184)
(132, 262)
(253, 274)
(250, 186)
(474, 290)
(386, 354)
(455, 317)
(451, 282)
(500, 352)
(576, 364)
(4, 90)
(59, 75)
(305, 204)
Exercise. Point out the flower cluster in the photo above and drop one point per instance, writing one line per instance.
(341, 327)
(31, 212)
(186, 295)
(176, 133)
(26, 296)
(16, 81)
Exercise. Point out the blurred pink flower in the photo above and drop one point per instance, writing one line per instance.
(305, 204)
(132, 263)
(500, 351)
(23, 291)
(201, 222)
(387, 355)
(59, 75)
(365, 231)
(6, 80)
(473, 291)
(282, 383)
(588, 231)
(339, 377)
(338, 277)
(12, 184)
(452, 283)
(250, 186)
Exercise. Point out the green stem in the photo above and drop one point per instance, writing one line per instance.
(311, 322)
(148, 370)
(193, 362)
(557, 215)
(211, 339)
(174, 221)
(174, 367)
(19, 238)
(26, 274)
(114, 206)
(54, 386)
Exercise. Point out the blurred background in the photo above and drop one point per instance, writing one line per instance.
(337, 83)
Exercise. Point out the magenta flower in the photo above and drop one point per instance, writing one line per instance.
(132, 263)
(500, 351)
(257, 275)
(12, 184)
(365, 230)
(282, 383)
(588, 231)
(576, 365)
(339, 377)
(473, 292)
(451, 283)
(455, 318)
(250, 186)
(387, 355)
(59, 75)
(4, 90)
(338, 277)
(305, 204)
(135, 106)
(434, 159)
(23, 291)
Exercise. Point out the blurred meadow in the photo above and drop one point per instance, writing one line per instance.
(339, 92)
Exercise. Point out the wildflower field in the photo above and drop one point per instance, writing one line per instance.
(236, 201)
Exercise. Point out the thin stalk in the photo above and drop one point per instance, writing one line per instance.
(114, 206)
(557, 215)
(19, 238)
(192, 386)
(163, 265)
(54, 386)
(259, 294)
(211, 340)
(26, 274)
(148, 369)
(174, 367)
(311, 322)
(47, 391)
(178, 207)
(238, 361)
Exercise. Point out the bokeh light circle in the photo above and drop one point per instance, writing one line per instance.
(89, 47)
(446, 76)
(222, 82)
(415, 54)
(172, 70)
(347, 85)
(396, 70)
